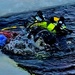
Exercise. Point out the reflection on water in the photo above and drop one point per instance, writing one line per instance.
(9, 67)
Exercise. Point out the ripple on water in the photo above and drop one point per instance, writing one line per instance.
(62, 63)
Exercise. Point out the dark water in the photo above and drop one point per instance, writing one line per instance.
(63, 65)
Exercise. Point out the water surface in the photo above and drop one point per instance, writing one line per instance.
(9, 67)
(18, 6)
(63, 65)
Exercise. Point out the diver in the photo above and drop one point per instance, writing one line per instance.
(55, 25)
(49, 25)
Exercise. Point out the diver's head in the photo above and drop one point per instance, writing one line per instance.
(57, 19)
(62, 19)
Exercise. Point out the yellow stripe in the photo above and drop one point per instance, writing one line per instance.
(12, 27)
(5, 28)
